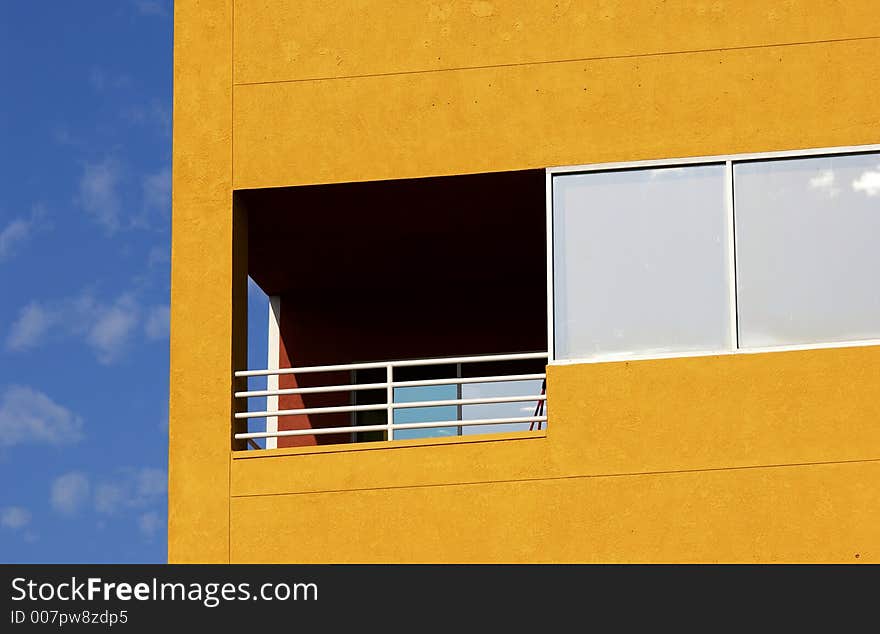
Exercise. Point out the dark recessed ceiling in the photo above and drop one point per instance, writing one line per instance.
(444, 233)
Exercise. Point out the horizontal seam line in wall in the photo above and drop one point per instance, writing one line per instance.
(559, 61)
(420, 445)
(553, 478)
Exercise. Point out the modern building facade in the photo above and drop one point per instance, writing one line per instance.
(669, 209)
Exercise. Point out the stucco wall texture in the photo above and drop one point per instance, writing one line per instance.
(746, 457)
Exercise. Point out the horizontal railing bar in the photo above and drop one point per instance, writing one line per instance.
(311, 432)
(314, 410)
(312, 390)
(395, 364)
(467, 423)
(366, 428)
(379, 386)
(470, 401)
(385, 406)
(313, 368)
(479, 379)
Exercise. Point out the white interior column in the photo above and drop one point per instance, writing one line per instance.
(273, 361)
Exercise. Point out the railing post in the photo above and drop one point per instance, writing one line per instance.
(458, 397)
(352, 400)
(389, 378)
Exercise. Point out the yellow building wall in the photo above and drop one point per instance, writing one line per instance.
(810, 513)
(394, 89)
(200, 407)
(745, 457)
(749, 457)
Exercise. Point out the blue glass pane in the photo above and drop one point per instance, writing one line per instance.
(425, 414)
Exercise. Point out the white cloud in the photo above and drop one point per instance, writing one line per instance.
(150, 524)
(151, 483)
(69, 492)
(156, 113)
(156, 326)
(12, 235)
(17, 232)
(29, 416)
(98, 192)
(135, 488)
(157, 190)
(101, 196)
(151, 8)
(33, 322)
(868, 182)
(106, 326)
(109, 498)
(14, 517)
(824, 182)
(110, 332)
(132, 492)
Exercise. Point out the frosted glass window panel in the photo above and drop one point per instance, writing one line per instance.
(641, 262)
(808, 250)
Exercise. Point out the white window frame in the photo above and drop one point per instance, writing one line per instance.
(728, 161)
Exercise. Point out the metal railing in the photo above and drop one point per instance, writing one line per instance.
(390, 406)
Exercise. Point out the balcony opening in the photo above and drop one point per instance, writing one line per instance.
(423, 273)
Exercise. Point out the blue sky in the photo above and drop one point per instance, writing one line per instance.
(85, 146)
(85, 214)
